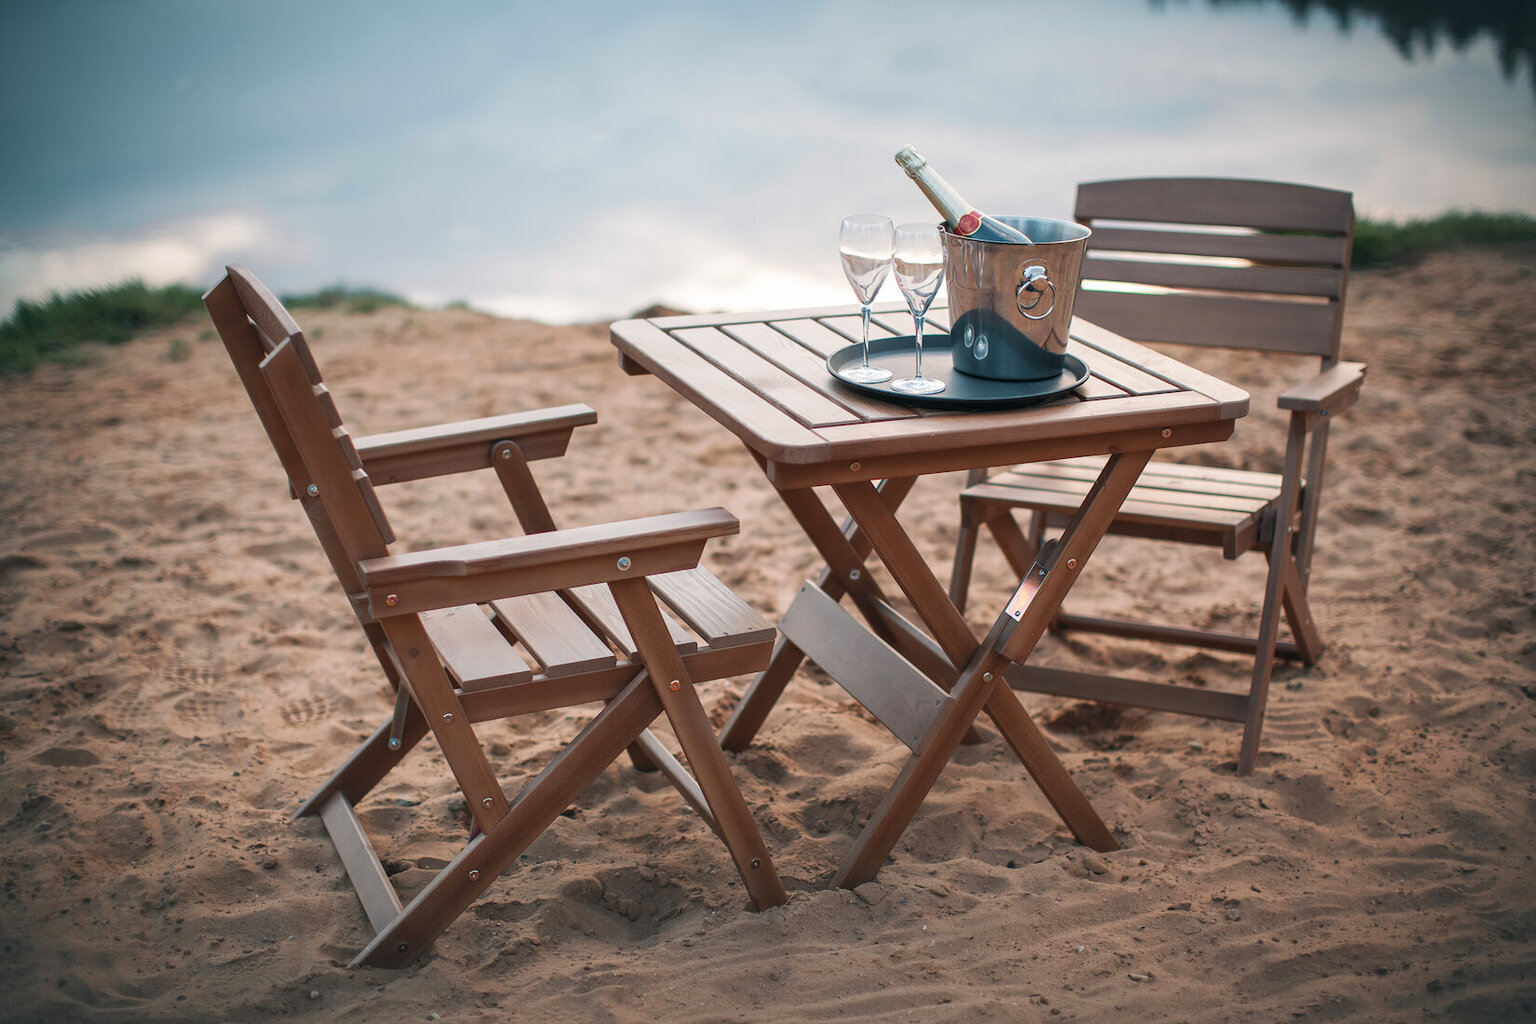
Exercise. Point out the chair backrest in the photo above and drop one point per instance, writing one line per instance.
(324, 470)
(1219, 262)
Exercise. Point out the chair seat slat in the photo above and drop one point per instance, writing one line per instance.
(553, 633)
(1182, 486)
(711, 608)
(597, 604)
(476, 654)
(1135, 509)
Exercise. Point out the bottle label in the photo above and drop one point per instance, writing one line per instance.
(968, 224)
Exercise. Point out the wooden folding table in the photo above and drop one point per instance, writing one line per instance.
(763, 376)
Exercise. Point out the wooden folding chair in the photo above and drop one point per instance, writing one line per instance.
(505, 627)
(1224, 263)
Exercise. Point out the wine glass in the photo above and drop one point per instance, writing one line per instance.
(865, 241)
(919, 270)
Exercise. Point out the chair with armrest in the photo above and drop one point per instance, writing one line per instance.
(1225, 263)
(490, 630)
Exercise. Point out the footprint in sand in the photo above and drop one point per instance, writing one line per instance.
(306, 710)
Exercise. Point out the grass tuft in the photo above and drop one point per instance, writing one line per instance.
(50, 330)
(345, 298)
(47, 330)
(1385, 242)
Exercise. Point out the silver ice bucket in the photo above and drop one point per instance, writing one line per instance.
(1010, 305)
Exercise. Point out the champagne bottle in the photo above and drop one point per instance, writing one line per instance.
(959, 216)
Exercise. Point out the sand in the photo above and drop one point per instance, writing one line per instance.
(178, 669)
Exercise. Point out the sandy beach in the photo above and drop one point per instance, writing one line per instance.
(178, 670)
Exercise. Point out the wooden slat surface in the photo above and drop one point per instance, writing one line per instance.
(554, 633)
(475, 653)
(886, 684)
(1308, 281)
(596, 603)
(1215, 321)
(1315, 250)
(1271, 206)
(711, 608)
(764, 378)
(1173, 476)
(1137, 508)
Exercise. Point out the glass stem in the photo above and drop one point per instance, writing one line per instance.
(866, 336)
(917, 318)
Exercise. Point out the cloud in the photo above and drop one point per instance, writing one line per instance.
(188, 251)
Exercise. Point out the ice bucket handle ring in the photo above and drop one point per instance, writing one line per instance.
(1034, 280)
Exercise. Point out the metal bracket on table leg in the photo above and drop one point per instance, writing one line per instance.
(1032, 580)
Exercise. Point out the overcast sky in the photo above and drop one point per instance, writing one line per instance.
(581, 160)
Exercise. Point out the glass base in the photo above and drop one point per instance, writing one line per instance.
(865, 374)
(918, 385)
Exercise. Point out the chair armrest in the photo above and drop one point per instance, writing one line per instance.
(1332, 391)
(459, 447)
(475, 573)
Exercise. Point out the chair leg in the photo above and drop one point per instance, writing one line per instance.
(1281, 565)
(960, 571)
(752, 711)
(1298, 612)
(368, 764)
(1019, 550)
(456, 886)
(681, 703)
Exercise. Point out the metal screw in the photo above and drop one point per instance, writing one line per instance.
(986, 677)
(394, 744)
(448, 718)
(486, 801)
(474, 876)
(392, 600)
(403, 946)
(854, 574)
(506, 455)
(1167, 432)
(1071, 563)
(312, 490)
(625, 563)
(675, 685)
(854, 467)
(757, 862)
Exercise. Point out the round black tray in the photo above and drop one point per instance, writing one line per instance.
(961, 390)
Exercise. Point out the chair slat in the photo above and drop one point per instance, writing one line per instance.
(1272, 206)
(1218, 322)
(476, 654)
(1236, 483)
(553, 633)
(595, 602)
(1311, 281)
(1134, 509)
(711, 608)
(1301, 250)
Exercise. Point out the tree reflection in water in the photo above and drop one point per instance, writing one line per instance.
(1416, 27)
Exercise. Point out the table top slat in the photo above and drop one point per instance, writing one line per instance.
(766, 377)
(762, 425)
(763, 376)
(1233, 399)
(811, 367)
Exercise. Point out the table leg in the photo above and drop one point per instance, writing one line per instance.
(845, 547)
(1012, 638)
